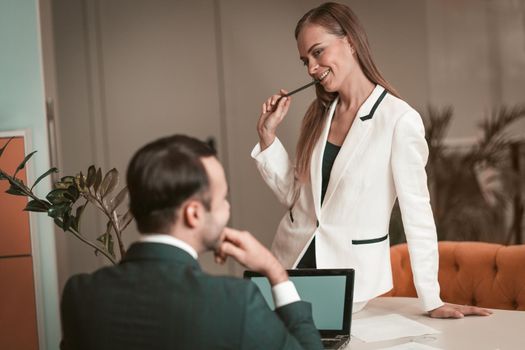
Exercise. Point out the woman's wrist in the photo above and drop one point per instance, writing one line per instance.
(265, 141)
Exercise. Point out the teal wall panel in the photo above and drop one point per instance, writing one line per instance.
(22, 106)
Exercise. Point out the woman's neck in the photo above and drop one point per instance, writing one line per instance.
(355, 91)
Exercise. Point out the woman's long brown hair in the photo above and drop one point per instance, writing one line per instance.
(339, 20)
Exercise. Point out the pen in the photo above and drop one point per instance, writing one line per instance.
(296, 91)
(302, 88)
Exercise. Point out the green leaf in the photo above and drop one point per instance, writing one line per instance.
(115, 202)
(65, 182)
(109, 183)
(23, 164)
(37, 206)
(74, 223)
(126, 220)
(72, 193)
(61, 185)
(41, 177)
(57, 196)
(98, 180)
(15, 191)
(5, 146)
(67, 220)
(79, 212)
(102, 238)
(81, 181)
(58, 223)
(68, 180)
(90, 180)
(58, 210)
(19, 184)
(111, 246)
(107, 239)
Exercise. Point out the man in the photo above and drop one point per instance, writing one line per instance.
(158, 297)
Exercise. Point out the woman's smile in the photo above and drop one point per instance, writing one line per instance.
(322, 76)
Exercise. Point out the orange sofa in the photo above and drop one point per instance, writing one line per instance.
(482, 274)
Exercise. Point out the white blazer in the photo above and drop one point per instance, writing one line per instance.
(383, 157)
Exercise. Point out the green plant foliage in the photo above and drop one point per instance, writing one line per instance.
(15, 191)
(70, 196)
(5, 146)
(38, 206)
(41, 177)
(23, 164)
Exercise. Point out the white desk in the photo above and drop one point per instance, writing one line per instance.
(502, 330)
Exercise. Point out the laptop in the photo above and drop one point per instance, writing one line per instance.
(331, 293)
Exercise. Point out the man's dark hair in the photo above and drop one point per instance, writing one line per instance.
(162, 175)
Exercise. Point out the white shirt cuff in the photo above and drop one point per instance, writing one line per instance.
(269, 151)
(284, 293)
(256, 151)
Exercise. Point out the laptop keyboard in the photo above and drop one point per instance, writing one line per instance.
(337, 343)
(330, 343)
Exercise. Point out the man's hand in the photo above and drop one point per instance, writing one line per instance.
(247, 250)
(458, 311)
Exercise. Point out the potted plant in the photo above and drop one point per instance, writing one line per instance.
(70, 196)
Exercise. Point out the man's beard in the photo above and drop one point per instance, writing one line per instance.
(214, 230)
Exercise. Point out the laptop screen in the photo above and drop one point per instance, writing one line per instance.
(329, 291)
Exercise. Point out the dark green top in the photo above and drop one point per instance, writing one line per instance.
(330, 153)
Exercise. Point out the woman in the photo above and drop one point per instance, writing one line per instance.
(359, 148)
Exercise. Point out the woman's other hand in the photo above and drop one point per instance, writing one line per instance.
(273, 111)
(458, 311)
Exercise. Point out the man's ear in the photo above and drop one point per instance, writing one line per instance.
(192, 213)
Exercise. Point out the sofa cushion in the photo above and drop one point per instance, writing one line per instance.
(475, 273)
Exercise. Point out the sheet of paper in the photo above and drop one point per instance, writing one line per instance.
(392, 326)
(411, 346)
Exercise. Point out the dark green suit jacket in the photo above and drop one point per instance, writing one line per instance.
(158, 298)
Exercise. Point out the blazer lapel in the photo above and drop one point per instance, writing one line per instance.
(316, 162)
(354, 141)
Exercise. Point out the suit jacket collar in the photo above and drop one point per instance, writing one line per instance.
(368, 108)
(349, 150)
(159, 252)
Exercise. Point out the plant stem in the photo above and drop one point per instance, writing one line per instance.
(119, 237)
(79, 236)
(93, 245)
(98, 202)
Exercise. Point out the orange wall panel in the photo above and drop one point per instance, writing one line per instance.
(14, 222)
(18, 328)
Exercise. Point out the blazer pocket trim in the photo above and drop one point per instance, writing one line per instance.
(369, 241)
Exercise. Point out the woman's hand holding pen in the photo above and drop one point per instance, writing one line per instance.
(273, 112)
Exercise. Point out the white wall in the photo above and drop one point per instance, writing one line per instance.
(476, 58)
(132, 71)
